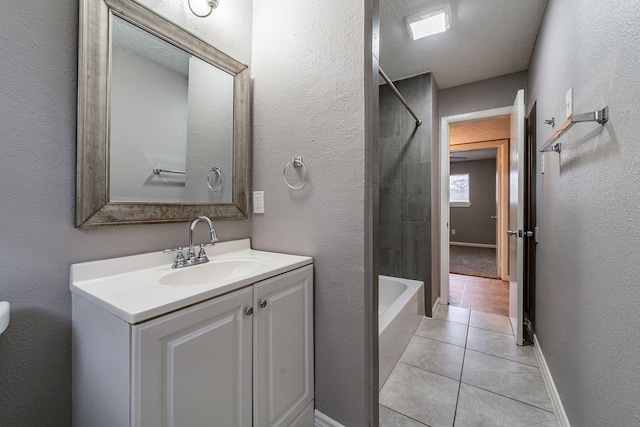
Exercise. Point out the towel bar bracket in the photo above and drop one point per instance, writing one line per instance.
(600, 116)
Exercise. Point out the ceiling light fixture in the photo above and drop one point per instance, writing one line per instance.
(213, 4)
(424, 24)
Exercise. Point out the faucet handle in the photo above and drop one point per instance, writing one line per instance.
(202, 255)
(169, 251)
(180, 261)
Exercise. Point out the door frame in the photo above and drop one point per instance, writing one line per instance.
(445, 123)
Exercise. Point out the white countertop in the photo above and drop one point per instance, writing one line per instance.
(131, 287)
(4, 315)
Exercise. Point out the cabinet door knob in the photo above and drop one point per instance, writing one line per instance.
(249, 311)
(263, 303)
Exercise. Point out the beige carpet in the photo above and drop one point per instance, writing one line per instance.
(473, 261)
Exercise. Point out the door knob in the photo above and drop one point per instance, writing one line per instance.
(263, 303)
(249, 311)
(520, 233)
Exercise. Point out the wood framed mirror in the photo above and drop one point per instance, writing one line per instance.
(163, 121)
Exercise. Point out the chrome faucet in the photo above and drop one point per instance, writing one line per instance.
(192, 259)
(202, 256)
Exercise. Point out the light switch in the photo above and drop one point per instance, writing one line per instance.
(258, 202)
(453, 231)
(568, 102)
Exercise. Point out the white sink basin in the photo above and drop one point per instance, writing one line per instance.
(139, 287)
(213, 271)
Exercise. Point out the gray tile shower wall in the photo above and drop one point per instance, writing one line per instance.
(405, 183)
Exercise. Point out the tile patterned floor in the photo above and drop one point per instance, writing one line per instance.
(479, 293)
(463, 368)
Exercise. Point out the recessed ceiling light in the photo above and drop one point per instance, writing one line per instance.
(424, 24)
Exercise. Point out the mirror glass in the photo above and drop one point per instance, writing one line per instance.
(163, 121)
(170, 123)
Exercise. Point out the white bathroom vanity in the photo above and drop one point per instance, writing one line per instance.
(226, 343)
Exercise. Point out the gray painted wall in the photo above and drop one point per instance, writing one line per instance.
(309, 67)
(587, 293)
(474, 224)
(37, 186)
(483, 95)
(405, 183)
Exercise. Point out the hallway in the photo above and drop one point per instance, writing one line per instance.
(463, 368)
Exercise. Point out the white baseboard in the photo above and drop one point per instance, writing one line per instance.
(436, 306)
(473, 245)
(322, 420)
(551, 387)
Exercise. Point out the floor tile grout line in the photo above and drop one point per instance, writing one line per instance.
(447, 320)
(502, 357)
(446, 342)
(485, 329)
(464, 353)
(491, 330)
(405, 415)
(508, 397)
(453, 321)
(431, 372)
(434, 339)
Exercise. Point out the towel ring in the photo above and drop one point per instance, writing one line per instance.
(215, 171)
(296, 162)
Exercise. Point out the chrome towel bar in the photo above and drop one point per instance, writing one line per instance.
(158, 171)
(600, 116)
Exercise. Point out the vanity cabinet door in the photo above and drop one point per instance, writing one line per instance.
(193, 367)
(283, 341)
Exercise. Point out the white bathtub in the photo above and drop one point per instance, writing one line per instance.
(400, 309)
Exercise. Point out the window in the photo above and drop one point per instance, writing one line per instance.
(459, 190)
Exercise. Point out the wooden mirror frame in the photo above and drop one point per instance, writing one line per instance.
(93, 208)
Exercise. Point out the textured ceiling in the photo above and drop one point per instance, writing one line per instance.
(145, 44)
(480, 130)
(487, 38)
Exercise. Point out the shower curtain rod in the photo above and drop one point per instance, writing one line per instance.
(395, 90)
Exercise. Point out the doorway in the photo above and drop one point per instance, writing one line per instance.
(475, 179)
(515, 216)
(464, 133)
